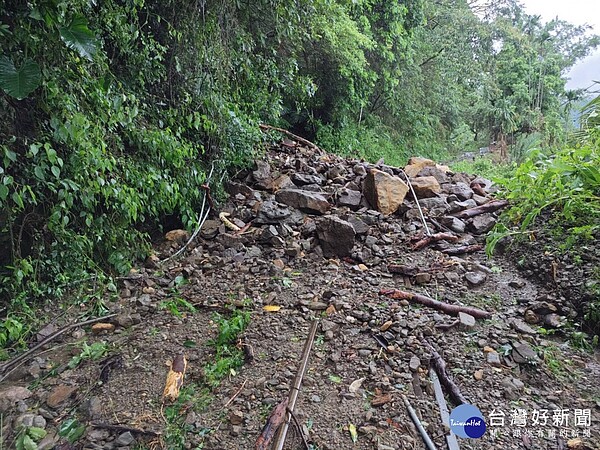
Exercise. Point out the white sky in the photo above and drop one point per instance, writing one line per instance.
(577, 12)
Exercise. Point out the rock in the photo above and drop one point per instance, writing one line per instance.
(282, 182)
(302, 179)
(480, 200)
(493, 359)
(524, 354)
(236, 417)
(359, 170)
(521, 327)
(271, 212)
(306, 201)
(435, 206)
(124, 439)
(11, 395)
(461, 190)
(435, 171)
(177, 236)
(455, 224)
(384, 192)
(482, 224)
(553, 320)
(531, 317)
(414, 363)
(210, 229)
(60, 394)
(102, 327)
(359, 226)
(262, 175)
(386, 326)
(350, 198)
(336, 236)
(416, 164)
(543, 308)
(425, 187)
(467, 321)
(422, 278)
(478, 375)
(475, 278)
(236, 430)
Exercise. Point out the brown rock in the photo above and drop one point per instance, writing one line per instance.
(416, 164)
(386, 325)
(101, 327)
(425, 187)
(236, 417)
(177, 235)
(11, 395)
(531, 317)
(307, 201)
(283, 182)
(478, 375)
(60, 394)
(383, 191)
(381, 399)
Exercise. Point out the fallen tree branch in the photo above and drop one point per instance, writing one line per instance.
(17, 361)
(175, 378)
(452, 310)
(434, 238)
(234, 396)
(413, 415)
(492, 206)
(462, 250)
(273, 423)
(439, 396)
(439, 365)
(290, 134)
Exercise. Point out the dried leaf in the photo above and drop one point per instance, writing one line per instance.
(355, 385)
(271, 308)
(353, 433)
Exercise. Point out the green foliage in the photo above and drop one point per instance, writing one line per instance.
(89, 352)
(228, 355)
(175, 305)
(71, 430)
(19, 83)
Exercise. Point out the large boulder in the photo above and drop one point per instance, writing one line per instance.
(383, 191)
(425, 187)
(306, 201)
(336, 236)
(416, 164)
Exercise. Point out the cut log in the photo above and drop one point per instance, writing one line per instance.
(452, 310)
(439, 365)
(462, 250)
(434, 238)
(175, 378)
(492, 206)
(275, 420)
(403, 269)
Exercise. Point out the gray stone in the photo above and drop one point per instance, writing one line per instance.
(359, 226)
(475, 278)
(124, 439)
(434, 171)
(302, 179)
(521, 327)
(493, 359)
(467, 321)
(482, 224)
(349, 198)
(262, 175)
(309, 202)
(11, 395)
(336, 236)
(455, 224)
(553, 320)
(460, 189)
(524, 354)
(359, 170)
(414, 363)
(271, 212)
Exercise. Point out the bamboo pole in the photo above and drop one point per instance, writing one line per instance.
(280, 440)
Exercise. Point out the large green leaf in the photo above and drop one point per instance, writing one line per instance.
(79, 37)
(19, 83)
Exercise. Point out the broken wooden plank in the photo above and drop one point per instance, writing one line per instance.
(452, 310)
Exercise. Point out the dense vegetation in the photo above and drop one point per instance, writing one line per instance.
(113, 112)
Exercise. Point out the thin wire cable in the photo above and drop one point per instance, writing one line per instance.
(417, 201)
